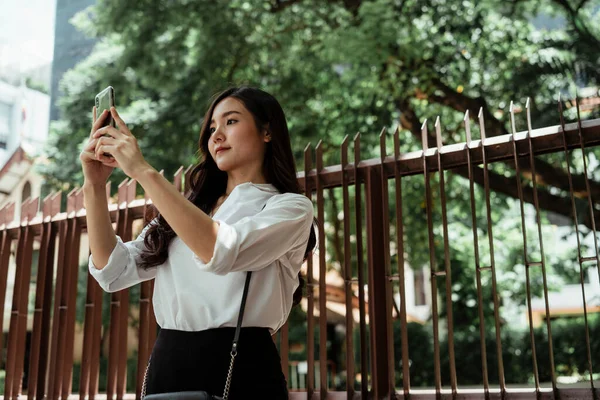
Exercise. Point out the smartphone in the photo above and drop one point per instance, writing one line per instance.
(104, 101)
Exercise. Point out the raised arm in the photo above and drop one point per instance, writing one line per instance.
(278, 232)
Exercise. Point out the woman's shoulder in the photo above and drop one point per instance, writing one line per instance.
(289, 199)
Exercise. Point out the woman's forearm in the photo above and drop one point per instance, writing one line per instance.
(196, 229)
(101, 234)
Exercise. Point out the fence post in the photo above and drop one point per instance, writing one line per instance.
(379, 307)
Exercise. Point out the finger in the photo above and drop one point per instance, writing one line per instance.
(90, 155)
(120, 123)
(104, 140)
(107, 130)
(104, 148)
(91, 145)
(107, 160)
(98, 123)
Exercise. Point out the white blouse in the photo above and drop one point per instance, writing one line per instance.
(191, 295)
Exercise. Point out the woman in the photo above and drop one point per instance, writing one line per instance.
(243, 213)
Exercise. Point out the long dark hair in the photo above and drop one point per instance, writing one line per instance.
(208, 182)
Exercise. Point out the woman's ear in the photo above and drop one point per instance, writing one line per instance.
(267, 134)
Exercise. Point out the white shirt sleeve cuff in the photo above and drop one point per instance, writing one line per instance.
(112, 270)
(225, 253)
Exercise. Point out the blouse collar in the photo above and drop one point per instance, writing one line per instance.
(266, 187)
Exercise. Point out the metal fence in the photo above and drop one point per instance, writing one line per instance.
(48, 345)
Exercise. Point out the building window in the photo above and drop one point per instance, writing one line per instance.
(5, 123)
(26, 192)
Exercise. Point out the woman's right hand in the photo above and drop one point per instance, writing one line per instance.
(94, 171)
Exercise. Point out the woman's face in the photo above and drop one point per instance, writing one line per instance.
(235, 143)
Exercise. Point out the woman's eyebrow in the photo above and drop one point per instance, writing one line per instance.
(227, 113)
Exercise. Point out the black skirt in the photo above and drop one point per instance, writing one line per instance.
(186, 361)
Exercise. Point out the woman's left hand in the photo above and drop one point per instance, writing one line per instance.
(123, 147)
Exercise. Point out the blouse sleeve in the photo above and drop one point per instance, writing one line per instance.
(122, 269)
(282, 227)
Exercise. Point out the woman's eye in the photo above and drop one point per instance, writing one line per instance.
(231, 120)
(211, 130)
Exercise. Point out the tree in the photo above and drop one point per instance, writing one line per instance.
(338, 67)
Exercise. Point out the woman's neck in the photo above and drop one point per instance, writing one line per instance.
(236, 179)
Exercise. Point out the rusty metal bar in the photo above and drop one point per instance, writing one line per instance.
(310, 293)
(488, 207)
(447, 269)
(5, 245)
(432, 262)
(29, 210)
(541, 242)
(364, 364)
(322, 273)
(387, 267)
(144, 328)
(43, 302)
(88, 326)
(580, 257)
(55, 307)
(96, 342)
(75, 202)
(11, 356)
(61, 299)
(401, 261)
(347, 274)
(378, 285)
(18, 323)
(498, 148)
(478, 268)
(525, 257)
(118, 316)
(97, 329)
(125, 195)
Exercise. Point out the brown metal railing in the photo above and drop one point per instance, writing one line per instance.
(51, 348)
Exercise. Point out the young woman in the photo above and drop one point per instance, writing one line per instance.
(244, 212)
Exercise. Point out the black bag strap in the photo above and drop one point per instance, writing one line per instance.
(241, 315)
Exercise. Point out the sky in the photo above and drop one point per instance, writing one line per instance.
(27, 31)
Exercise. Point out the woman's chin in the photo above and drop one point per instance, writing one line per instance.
(225, 167)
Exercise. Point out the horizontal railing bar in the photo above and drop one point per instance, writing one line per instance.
(498, 148)
(534, 264)
(588, 259)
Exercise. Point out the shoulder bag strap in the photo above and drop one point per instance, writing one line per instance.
(236, 337)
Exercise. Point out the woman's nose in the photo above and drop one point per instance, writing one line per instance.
(217, 135)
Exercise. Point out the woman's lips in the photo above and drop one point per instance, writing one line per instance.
(221, 150)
